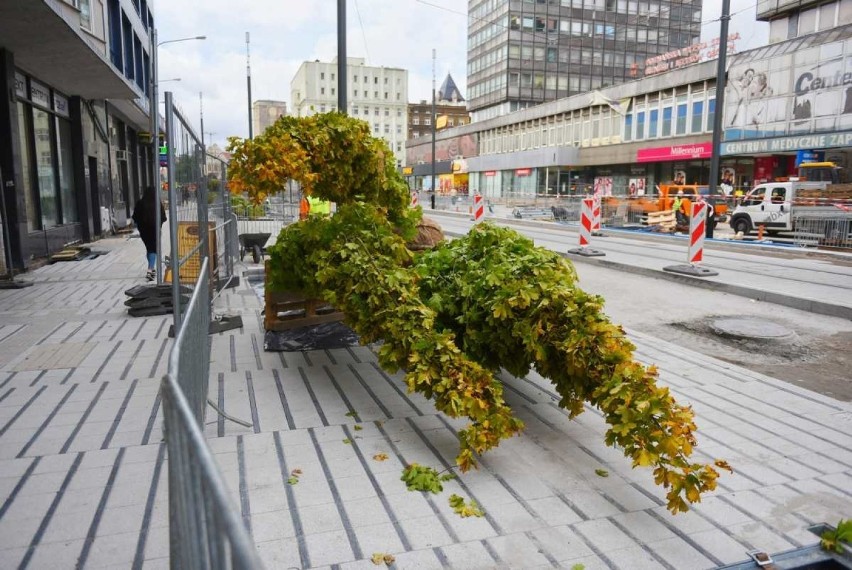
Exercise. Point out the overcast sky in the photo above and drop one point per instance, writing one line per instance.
(284, 33)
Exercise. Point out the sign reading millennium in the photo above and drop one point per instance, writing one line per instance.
(786, 144)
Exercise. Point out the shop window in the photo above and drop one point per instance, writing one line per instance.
(66, 171)
(44, 167)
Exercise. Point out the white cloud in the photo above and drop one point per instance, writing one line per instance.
(284, 33)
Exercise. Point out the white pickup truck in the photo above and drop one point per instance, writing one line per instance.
(774, 205)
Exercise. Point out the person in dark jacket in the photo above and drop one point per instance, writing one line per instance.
(145, 217)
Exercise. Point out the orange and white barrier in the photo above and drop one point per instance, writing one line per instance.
(697, 229)
(587, 226)
(587, 222)
(596, 224)
(478, 208)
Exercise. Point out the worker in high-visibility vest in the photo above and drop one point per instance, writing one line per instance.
(319, 206)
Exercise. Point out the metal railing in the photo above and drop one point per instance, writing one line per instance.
(827, 229)
(205, 528)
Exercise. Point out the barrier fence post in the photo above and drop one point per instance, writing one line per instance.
(587, 224)
(415, 200)
(695, 252)
(478, 208)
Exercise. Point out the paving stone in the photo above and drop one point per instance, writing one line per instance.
(329, 548)
(425, 532)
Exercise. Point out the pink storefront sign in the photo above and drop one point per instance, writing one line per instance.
(670, 153)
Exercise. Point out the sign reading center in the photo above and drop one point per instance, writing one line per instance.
(672, 153)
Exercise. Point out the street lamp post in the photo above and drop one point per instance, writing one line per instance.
(155, 135)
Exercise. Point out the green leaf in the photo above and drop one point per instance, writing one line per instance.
(293, 480)
(357, 427)
(347, 441)
(602, 472)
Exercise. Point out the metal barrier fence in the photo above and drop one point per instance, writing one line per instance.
(201, 224)
(823, 229)
(205, 528)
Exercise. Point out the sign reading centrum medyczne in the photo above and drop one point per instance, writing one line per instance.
(788, 144)
(806, 91)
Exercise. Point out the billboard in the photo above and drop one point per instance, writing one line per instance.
(445, 149)
(808, 90)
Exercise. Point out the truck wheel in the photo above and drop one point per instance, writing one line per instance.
(741, 225)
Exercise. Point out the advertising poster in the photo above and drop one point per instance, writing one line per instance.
(679, 177)
(636, 187)
(808, 90)
(728, 179)
(603, 186)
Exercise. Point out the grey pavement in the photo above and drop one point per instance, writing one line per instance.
(83, 467)
(814, 281)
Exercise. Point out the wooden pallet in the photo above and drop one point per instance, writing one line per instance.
(291, 309)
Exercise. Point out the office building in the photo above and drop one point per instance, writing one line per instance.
(521, 54)
(377, 95)
(74, 119)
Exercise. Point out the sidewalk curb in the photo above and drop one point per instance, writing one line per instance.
(802, 304)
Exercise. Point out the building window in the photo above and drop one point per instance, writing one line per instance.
(667, 122)
(354, 109)
(399, 147)
(653, 117)
(332, 77)
(375, 80)
(386, 94)
(711, 112)
(387, 129)
(322, 75)
(356, 79)
(399, 129)
(640, 125)
(387, 112)
(427, 121)
(628, 128)
(66, 171)
(399, 112)
(322, 90)
(416, 120)
(680, 127)
(376, 128)
(376, 94)
(697, 116)
(332, 90)
(85, 15)
(417, 134)
(356, 92)
(322, 108)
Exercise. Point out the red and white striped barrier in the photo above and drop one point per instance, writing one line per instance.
(415, 200)
(587, 222)
(596, 226)
(478, 208)
(697, 229)
(695, 255)
(587, 226)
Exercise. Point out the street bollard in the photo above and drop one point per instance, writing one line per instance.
(587, 223)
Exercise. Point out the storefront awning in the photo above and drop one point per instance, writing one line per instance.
(48, 44)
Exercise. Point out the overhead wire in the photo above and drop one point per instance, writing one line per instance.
(363, 34)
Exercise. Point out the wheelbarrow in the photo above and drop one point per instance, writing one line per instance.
(255, 243)
(254, 236)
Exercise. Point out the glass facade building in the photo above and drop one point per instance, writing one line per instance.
(525, 52)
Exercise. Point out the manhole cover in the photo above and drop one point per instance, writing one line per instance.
(754, 329)
(56, 356)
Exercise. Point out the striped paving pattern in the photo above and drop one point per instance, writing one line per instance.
(83, 467)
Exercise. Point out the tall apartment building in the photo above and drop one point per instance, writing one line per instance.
(73, 121)
(377, 95)
(521, 54)
(266, 112)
